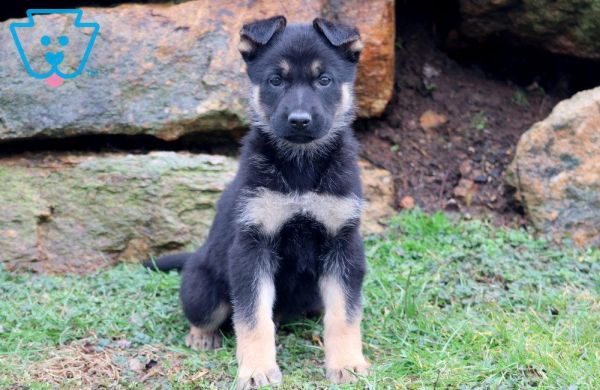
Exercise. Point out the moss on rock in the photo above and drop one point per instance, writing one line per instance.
(80, 213)
(570, 27)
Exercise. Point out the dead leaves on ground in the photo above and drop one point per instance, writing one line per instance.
(89, 364)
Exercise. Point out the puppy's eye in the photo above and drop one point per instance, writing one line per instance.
(276, 81)
(324, 80)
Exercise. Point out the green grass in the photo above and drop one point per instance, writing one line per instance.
(447, 305)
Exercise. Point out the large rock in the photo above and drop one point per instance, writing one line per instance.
(70, 213)
(556, 170)
(379, 194)
(569, 27)
(77, 214)
(167, 69)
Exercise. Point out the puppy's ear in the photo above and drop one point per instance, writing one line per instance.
(256, 35)
(341, 36)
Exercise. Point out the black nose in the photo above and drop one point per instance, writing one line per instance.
(299, 119)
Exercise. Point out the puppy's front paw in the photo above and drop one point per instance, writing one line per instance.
(249, 378)
(201, 340)
(347, 373)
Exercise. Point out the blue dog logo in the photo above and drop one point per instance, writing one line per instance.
(48, 50)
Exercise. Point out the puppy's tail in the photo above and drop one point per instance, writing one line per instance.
(168, 262)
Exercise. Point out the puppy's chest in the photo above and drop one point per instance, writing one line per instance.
(271, 210)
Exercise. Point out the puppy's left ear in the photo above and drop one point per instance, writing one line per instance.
(341, 36)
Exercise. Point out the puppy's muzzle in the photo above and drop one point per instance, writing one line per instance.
(299, 122)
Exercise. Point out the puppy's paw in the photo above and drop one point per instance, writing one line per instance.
(201, 340)
(347, 374)
(253, 379)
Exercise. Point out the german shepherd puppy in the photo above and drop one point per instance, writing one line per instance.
(285, 240)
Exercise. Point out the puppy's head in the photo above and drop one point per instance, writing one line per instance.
(302, 77)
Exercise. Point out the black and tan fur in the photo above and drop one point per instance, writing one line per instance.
(285, 240)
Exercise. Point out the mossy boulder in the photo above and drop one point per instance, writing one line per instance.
(570, 27)
(556, 170)
(80, 213)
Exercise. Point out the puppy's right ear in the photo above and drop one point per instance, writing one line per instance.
(254, 36)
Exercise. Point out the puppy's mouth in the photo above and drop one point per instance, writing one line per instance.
(299, 138)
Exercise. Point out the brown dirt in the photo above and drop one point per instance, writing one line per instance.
(484, 120)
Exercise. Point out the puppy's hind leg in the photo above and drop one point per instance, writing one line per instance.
(206, 307)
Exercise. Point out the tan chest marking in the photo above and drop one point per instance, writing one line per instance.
(270, 209)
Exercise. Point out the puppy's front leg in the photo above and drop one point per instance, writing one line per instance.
(340, 289)
(253, 297)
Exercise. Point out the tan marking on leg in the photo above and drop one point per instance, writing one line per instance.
(219, 316)
(315, 68)
(342, 338)
(208, 336)
(256, 342)
(285, 66)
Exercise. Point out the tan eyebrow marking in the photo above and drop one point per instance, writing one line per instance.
(315, 67)
(285, 67)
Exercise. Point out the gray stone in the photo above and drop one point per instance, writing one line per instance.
(556, 170)
(166, 69)
(80, 213)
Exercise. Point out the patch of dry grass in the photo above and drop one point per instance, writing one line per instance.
(87, 364)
